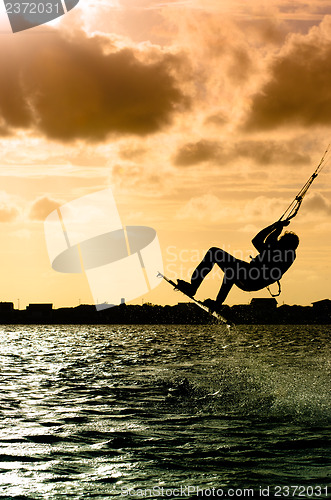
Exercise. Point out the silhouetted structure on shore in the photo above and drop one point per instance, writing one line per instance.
(259, 311)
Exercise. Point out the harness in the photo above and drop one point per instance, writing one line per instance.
(279, 290)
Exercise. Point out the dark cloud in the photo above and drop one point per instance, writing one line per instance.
(322, 9)
(266, 30)
(261, 152)
(43, 207)
(194, 153)
(83, 88)
(8, 214)
(9, 209)
(271, 153)
(298, 91)
(318, 203)
(293, 7)
(133, 153)
(242, 65)
(4, 132)
(219, 119)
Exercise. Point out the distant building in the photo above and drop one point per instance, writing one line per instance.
(6, 307)
(6, 311)
(264, 304)
(39, 311)
(322, 306)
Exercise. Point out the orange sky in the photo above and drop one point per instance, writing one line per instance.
(205, 117)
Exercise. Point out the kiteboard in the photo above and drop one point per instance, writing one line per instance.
(216, 315)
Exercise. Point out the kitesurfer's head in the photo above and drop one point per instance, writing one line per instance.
(289, 240)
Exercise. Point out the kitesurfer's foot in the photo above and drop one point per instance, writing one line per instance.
(186, 288)
(212, 305)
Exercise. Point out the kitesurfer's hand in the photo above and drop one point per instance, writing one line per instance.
(281, 223)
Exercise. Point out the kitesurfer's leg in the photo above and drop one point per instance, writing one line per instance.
(215, 255)
(233, 269)
(224, 291)
(227, 283)
(216, 305)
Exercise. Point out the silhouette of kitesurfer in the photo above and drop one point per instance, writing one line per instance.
(275, 257)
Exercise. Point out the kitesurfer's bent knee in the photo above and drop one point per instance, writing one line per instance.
(229, 265)
(236, 272)
(213, 256)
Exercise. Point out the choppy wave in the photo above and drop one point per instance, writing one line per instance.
(93, 410)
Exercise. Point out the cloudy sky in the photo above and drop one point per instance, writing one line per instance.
(205, 117)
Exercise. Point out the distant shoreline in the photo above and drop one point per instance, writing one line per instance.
(259, 311)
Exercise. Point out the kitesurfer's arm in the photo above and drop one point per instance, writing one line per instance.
(268, 235)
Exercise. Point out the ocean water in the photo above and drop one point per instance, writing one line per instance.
(164, 412)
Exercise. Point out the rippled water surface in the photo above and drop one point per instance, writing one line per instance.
(115, 411)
